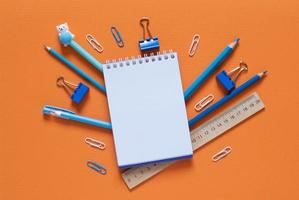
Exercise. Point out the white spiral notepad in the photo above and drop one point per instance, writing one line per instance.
(147, 110)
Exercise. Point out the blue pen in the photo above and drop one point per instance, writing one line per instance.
(210, 69)
(75, 68)
(67, 114)
(227, 98)
(66, 38)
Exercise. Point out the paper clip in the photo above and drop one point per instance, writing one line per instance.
(221, 154)
(118, 39)
(204, 102)
(94, 43)
(95, 143)
(79, 91)
(194, 45)
(228, 79)
(97, 167)
(150, 43)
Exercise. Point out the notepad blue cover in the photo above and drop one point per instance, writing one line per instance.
(147, 110)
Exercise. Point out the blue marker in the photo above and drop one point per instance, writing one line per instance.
(67, 114)
(227, 98)
(66, 38)
(210, 69)
(75, 68)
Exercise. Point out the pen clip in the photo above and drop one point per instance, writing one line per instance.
(52, 110)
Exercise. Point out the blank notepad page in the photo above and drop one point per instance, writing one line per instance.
(147, 110)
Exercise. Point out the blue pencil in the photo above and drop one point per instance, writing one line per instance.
(227, 98)
(75, 68)
(210, 69)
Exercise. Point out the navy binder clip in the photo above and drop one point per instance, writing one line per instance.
(150, 44)
(228, 80)
(79, 91)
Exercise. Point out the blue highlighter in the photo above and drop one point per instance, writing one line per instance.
(66, 38)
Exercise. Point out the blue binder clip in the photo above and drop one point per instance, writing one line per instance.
(149, 44)
(228, 80)
(79, 91)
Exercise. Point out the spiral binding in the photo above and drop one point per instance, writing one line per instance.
(139, 60)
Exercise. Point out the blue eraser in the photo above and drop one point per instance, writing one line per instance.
(225, 81)
(80, 93)
(149, 44)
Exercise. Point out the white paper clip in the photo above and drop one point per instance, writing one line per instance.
(194, 45)
(94, 43)
(204, 102)
(95, 143)
(221, 154)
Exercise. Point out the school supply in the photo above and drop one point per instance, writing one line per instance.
(95, 143)
(117, 37)
(142, 94)
(75, 68)
(227, 98)
(77, 92)
(228, 80)
(70, 115)
(194, 45)
(221, 154)
(210, 69)
(94, 43)
(66, 38)
(201, 104)
(200, 136)
(97, 167)
(150, 43)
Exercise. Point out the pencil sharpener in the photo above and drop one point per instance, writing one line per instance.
(79, 93)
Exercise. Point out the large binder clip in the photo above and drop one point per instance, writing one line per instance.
(150, 44)
(79, 91)
(228, 80)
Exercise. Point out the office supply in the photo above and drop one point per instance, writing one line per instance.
(75, 68)
(221, 154)
(227, 98)
(79, 91)
(66, 38)
(194, 45)
(200, 136)
(228, 80)
(94, 43)
(141, 94)
(204, 102)
(210, 69)
(150, 43)
(67, 114)
(95, 143)
(117, 37)
(97, 167)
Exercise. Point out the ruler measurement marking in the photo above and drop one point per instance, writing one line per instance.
(201, 136)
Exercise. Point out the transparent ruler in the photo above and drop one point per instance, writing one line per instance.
(200, 136)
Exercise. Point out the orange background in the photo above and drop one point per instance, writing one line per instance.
(44, 157)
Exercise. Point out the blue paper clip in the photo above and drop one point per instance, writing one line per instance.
(79, 92)
(228, 80)
(118, 39)
(97, 167)
(150, 43)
